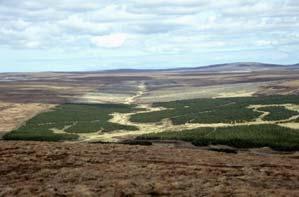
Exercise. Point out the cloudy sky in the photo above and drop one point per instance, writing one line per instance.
(38, 35)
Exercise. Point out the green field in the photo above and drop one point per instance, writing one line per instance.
(276, 137)
(73, 118)
(278, 113)
(220, 110)
(227, 110)
(70, 121)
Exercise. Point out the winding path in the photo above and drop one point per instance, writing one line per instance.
(140, 92)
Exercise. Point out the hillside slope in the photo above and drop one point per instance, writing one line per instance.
(78, 169)
(242, 67)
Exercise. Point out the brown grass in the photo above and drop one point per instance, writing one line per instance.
(12, 115)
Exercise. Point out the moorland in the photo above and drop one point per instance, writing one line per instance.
(90, 121)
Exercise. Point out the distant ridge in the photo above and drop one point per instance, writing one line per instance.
(220, 68)
(244, 67)
(228, 67)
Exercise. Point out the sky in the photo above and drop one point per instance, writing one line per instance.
(79, 35)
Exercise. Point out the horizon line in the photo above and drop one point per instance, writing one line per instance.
(149, 69)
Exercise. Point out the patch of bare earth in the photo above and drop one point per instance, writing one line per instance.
(12, 115)
(81, 169)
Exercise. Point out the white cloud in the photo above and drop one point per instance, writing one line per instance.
(32, 44)
(153, 27)
(110, 41)
(78, 25)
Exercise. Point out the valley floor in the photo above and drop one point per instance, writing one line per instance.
(82, 169)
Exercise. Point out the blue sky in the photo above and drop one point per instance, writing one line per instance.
(65, 35)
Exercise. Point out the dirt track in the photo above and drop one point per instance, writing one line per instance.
(81, 169)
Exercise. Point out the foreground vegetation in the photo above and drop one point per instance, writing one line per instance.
(220, 110)
(72, 119)
(254, 136)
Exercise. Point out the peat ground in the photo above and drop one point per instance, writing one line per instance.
(82, 169)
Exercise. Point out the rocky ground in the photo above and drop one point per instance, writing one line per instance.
(82, 169)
